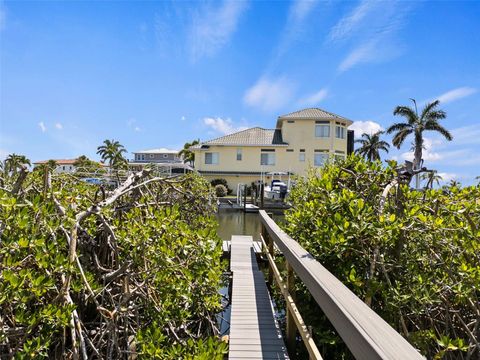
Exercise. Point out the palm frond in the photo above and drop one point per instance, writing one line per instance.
(400, 136)
(398, 127)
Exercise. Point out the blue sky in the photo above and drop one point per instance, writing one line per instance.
(158, 74)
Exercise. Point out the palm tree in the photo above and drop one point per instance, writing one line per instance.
(112, 152)
(427, 121)
(432, 177)
(189, 155)
(84, 166)
(14, 161)
(371, 146)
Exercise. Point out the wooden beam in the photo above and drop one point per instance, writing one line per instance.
(366, 334)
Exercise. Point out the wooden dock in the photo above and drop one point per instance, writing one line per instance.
(254, 333)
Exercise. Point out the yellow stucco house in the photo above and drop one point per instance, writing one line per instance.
(302, 139)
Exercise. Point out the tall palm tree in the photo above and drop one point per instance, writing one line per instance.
(371, 146)
(189, 155)
(112, 152)
(416, 124)
(14, 161)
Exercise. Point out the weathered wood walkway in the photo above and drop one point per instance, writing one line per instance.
(254, 333)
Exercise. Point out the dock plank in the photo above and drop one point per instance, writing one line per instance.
(254, 333)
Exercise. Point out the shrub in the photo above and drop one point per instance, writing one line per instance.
(220, 190)
(223, 182)
(415, 262)
(143, 277)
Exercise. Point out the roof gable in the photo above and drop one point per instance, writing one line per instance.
(250, 137)
(312, 114)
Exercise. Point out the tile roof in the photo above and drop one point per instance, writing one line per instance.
(313, 113)
(58, 161)
(254, 137)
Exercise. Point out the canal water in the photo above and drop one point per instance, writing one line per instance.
(240, 223)
(236, 223)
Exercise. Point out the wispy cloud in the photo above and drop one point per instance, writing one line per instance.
(132, 124)
(467, 135)
(212, 28)
(3, 17)
(349, 23)
(456, 94)
(58, 126)
(222, 126)
(295, 25)
(365, 127)
(270, 94)
(183, 118)
(314, 99)
(371, 28)
(42, 126)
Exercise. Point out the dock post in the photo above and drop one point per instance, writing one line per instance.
(245, 198)
(262, 193)
(291, 331)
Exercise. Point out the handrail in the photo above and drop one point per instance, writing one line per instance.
(365, 333)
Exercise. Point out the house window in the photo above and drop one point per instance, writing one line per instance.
(267, 158)
(320, 158)
(165, 156)
(151, 156)
(142, 156)
(291, 121)
(63, 168)
(289, 150)
(340, 132)
(239, 154)
(211, 158)
(322, 129)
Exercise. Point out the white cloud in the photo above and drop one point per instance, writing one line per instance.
(348, 24)
(3, 18)
(300, 9)
(446, 177)
(213, 28)
(58, 126)
(363, 53)
(131, 123)
(368, 127)
(314, 99)
(222, 126)
(456, 94)
(466, 135)
(42, 126)
(295, 25)
(269, 95)
(372, 27)
(3, 154)
(183, 118)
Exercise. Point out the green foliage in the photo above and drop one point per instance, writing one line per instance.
(160, 239)
(223, 182)
(220, 190)
(416, 262)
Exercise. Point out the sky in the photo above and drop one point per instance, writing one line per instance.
(158, 74)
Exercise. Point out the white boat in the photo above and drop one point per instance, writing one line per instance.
(277, 189)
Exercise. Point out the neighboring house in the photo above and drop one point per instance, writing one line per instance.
(63, 165)
(162, 158)
(302, 139)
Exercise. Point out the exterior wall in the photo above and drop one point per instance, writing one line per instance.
(68, 168)
(299, 134)
(167, 157)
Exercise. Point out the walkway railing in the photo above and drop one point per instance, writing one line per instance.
(365, 333)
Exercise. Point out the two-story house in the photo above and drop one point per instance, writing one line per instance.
(163, 159)
(301, 139)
